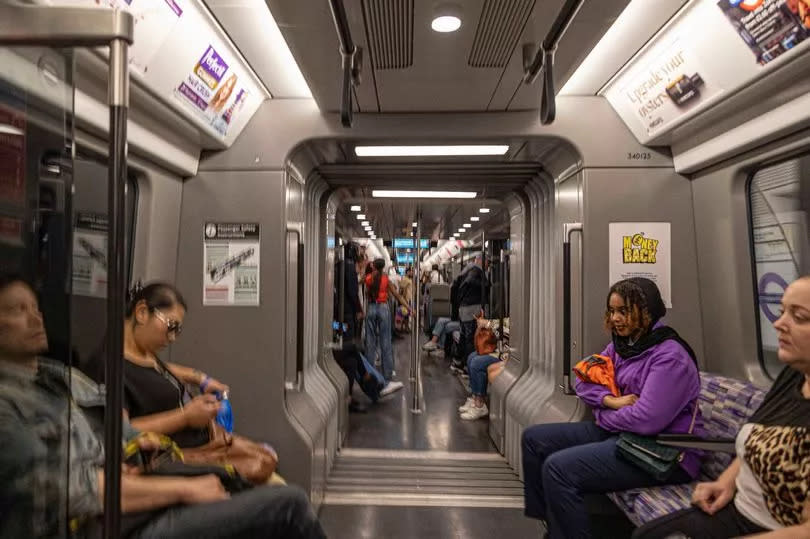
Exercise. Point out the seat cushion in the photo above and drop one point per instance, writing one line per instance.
(644, 505)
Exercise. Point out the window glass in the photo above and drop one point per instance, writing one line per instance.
(779, 199)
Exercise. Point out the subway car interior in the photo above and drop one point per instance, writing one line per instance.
(387, 230)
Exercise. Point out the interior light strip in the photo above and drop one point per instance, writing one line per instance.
(430, 151)
(423, 194)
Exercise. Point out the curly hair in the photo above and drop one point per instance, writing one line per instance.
(635, 301)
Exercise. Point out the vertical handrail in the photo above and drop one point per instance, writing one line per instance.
(568, 229)
(416, 401)
(118, 97)
(341, 288)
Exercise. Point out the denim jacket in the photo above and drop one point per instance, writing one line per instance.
(50, 450)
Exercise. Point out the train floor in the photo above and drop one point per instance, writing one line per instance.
(428, 475)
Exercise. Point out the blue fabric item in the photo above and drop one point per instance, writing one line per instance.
(562, 462)
(370, 386)
(477, 367)
(378, 336)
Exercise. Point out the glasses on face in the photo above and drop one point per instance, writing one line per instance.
(172, 326)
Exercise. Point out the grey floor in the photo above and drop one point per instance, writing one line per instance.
(389, 424)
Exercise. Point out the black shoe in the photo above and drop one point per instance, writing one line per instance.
(357, 408)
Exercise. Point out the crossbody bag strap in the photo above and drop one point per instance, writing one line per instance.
(694, 416)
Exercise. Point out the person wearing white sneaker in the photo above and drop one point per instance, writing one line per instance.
(391, 387)
(477, 367)
(443, 327)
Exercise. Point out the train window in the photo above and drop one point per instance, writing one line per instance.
(779, 199)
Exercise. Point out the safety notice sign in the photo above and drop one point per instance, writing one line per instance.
(642, 250)
(231, 264)
(90, 255)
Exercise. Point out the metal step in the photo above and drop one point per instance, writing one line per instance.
(423, 478)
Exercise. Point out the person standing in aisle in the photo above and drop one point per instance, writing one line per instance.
(378, 323)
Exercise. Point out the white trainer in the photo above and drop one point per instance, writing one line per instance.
(467, 404)
(391, 387)
(430, 346)
(474, 413)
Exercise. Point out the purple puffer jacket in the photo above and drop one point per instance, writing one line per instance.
(667, 384)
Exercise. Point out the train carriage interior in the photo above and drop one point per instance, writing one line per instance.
(350, 197)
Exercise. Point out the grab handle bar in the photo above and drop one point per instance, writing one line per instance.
(568, 229)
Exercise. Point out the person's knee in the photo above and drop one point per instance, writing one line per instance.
(554, 470)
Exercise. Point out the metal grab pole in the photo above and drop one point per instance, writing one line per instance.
(118, 96)
(416, 403)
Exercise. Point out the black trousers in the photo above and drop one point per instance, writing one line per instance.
(695, 524)
(467, 344)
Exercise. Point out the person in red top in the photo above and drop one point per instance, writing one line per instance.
(378, 323)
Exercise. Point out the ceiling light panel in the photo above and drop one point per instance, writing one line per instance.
(361, 216)
(445, 24)
(365, 223)
(467, 225)
(422, 194)
(356, 208)
(475, 218)
(431, 151)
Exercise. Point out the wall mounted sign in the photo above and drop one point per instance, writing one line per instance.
(90, 255)
(642, 250)
(231, 263)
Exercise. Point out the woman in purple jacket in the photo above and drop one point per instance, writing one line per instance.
(656, 372)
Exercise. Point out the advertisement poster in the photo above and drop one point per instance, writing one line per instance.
(666, 87)
(231, 264)
(90, 255)
(769, 27)
(12, 157)
(154, 22)
(212, 90)
(642, 250)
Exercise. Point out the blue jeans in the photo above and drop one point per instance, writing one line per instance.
(266, 511)
(378, 334)
(477, 367)
(562, 462)
(443, 327)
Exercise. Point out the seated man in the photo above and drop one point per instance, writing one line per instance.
(441, 329)
(52, 457)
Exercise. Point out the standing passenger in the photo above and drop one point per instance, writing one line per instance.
(657, 375)
(470, 293)
(378, 323)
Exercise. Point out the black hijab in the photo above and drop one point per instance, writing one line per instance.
(654, 305)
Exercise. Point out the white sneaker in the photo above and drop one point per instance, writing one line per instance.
(467, 404)
(474, 413)
(437, 353)
(392, 386)
(430, 345)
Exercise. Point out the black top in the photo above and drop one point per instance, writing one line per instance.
(147, 392)
(785, 405)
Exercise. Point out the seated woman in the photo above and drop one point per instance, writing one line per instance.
(657, 375)
(767, 484)
(443, 327)
(477, 364)
(156, 397)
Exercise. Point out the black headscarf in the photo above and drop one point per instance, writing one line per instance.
(654, 305)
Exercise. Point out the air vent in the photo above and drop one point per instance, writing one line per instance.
(499, 29)
(389, 24)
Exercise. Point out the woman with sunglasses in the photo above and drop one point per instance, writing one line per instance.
(155, 394)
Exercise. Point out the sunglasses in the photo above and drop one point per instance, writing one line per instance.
(172, 326)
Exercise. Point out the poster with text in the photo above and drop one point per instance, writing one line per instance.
(667, 86)
(231, 264)
(768, 27)
(212, 89)
(90, 255)
(12, 157)
(642, 250)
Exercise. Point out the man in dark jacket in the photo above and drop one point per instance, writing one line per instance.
(470, 294)
(352, 308)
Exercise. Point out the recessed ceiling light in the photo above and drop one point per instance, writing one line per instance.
(475, 218)
(355, 208)
(445, 24)
(462, 230)
(415, 224)
(430, 151)
(467, 225)
(456, 235)
(367, 228)
(364, 223)
(423, 194)
(373, 237)
(483, 210)
(361, 216)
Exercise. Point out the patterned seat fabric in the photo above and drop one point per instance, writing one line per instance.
(725, 404)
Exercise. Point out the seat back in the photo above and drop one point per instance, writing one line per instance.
(438, 302)
(725, 405)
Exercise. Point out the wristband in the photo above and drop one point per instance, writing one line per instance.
(204, 384)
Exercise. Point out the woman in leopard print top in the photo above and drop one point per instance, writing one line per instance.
(767, 484)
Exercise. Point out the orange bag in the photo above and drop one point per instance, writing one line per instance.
(485, 340)
(598, 369)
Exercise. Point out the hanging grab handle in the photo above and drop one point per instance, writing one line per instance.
(568, 229)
